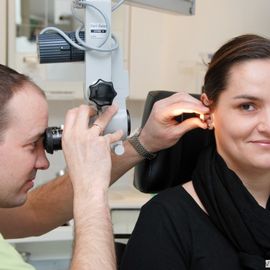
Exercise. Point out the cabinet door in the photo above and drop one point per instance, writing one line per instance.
(149, 45)
(154, 54)
(3, 31)
(146, 45)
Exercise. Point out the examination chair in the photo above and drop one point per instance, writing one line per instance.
(172, 166)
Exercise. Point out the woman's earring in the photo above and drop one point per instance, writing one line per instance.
(210, 125)
(207, 117)
(208, 120)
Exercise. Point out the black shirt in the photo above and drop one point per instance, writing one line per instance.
(173, 232)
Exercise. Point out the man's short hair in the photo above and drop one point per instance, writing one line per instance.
(11, 82)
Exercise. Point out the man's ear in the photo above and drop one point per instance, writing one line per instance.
(205, 100)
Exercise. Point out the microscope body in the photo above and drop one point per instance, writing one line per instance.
(105, 66)
(106, 80)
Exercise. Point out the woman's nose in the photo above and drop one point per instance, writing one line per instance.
(264, 122)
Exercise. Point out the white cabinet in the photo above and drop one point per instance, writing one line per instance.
(157, 61)
(148, 48)
(167, 50)
(3, 31)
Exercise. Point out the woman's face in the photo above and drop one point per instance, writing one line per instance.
(241, 118)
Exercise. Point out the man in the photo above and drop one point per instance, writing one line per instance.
(23, 120)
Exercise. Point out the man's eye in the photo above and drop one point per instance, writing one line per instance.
(34, 144)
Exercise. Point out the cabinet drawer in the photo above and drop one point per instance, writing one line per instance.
(124, 220)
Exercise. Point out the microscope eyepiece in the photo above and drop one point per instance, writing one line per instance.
(53, 136)
(53, 139)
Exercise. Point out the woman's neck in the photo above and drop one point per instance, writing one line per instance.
(257, 183)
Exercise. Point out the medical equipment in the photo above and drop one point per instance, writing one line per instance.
(106, 80)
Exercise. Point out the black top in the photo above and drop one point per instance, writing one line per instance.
(174, 233)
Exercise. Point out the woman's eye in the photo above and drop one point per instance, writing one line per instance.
(247, 107)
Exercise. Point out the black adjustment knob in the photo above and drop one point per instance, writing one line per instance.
(102, 93)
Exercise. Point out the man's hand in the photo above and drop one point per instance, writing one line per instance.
(87, 151)
(88, 156)
(162, 130)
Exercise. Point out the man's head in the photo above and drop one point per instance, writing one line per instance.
(23, 120)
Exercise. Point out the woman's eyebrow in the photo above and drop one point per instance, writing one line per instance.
(246, 97)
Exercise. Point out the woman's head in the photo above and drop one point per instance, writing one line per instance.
(237, 89)
(11, 82)
(239, 49)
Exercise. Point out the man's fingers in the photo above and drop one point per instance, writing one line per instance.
(189, 124)
(70, 119)
(103, 120)
(83, 116)
(177, 104)
(179, 108)
(98, 129)
(178, 97)
(78, 118)
(114, 137)
(107, 115)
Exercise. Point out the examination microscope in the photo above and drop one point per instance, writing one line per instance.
(106, 80)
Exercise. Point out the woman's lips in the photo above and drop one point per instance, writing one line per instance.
(262, 142)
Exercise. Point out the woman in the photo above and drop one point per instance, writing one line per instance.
(220, 219)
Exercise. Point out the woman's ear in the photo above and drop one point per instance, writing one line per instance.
(208, 118)
(205, 100)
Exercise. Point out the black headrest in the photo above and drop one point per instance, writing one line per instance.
(172, 166)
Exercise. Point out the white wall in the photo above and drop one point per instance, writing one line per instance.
(215, 22)
(168, 48)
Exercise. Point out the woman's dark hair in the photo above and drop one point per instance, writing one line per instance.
(10, 83)
(237, 50)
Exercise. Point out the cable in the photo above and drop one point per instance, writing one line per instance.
(116, 45)
(64, 35)
(74, 13)
(104, 17)
(85, 46)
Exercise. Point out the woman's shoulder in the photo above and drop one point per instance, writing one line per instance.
(179, 199)
(176, 210)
